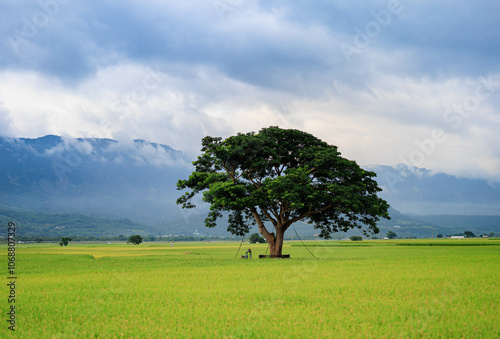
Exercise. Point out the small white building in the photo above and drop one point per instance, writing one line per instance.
(459, 237)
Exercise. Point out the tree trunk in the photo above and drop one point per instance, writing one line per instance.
(275, 241)
(276, 246)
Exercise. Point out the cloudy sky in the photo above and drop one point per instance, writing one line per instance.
(389, 82)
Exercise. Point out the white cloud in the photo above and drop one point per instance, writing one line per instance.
(5, 122)
(396, 120)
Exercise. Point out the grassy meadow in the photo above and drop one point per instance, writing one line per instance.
(379, 289)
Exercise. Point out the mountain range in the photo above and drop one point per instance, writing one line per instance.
(424, 192)
(135, 182)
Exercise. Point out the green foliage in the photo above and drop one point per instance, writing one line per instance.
(256, 238)
(469, 234)
(391, 235)
(135, 239)
(439, 235)
(282, 176)
(64, 241)
(356, 238)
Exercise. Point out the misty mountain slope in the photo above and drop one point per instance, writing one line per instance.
(54, 174)
(420, 191)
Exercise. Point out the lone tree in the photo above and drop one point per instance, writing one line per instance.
(256, 238)
(282, 176)
(392, 235)
(64, 241)
(135, 239)
(469, 234)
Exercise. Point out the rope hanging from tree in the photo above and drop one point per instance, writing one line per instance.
(303, 242)
(241, 243)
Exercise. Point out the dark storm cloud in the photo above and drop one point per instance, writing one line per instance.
(268, 43)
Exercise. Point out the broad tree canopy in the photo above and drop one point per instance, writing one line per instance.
(282, 176)
(135, 239)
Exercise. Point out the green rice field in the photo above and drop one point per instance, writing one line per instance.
(368, 289)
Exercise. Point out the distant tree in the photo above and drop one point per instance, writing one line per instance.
(374, 237)
(356, 238)
(469, 234)
(64, 241)
(439, 235)
(391, 235)
(38, 240)
(135, 239)
(256, 238)
(282, 176)
(492, 234)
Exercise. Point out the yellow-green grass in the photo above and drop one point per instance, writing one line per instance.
(354, 289)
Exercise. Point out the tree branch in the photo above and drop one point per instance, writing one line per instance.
(266, 213)
(284, 208)
(276, 216)
(262, 228)
(309, 213)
